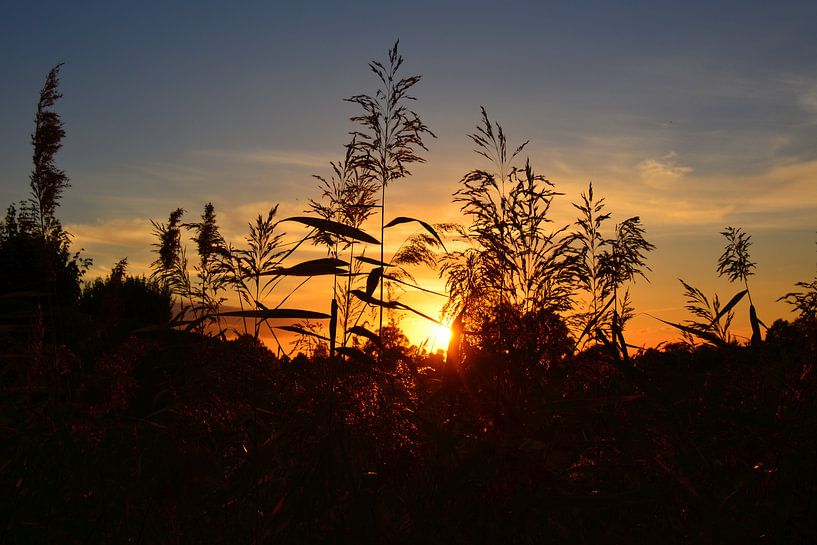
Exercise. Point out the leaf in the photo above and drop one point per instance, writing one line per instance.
(371, 261)
(314, 267)
(373, 279)
(356, 354)
(302, 331)
(176, 321)
(418, 313)
(619, 339)
(191, 324)
(278, 313)
(415, 286)
(363, 332)
(729, 306)
(374, 301)
(403, 219)
(607, 344)
(706, 335)
(757, 338)
(592, 323)
(334, 227)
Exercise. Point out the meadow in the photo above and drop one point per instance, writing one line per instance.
(155, 408)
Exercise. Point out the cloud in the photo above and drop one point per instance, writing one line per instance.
(108, 241)
(662, 173)
(807, 98)
(131, 233)
(271, 157)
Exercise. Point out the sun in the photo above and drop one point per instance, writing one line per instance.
(441, 336)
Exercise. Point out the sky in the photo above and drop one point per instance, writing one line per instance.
(691, 115)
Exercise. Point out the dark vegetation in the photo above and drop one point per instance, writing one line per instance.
(144, 410)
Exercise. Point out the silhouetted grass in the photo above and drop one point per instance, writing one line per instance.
(120, 423)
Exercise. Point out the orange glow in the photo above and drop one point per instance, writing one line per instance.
(441, 336)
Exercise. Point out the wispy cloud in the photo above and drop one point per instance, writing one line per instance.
(133, 233)
(807, 99)
(663, 172)
(108, 241)
(271, 157)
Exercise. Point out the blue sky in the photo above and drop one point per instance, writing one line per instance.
(693, 115)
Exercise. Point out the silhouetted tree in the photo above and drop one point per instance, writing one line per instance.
(34, 249)
(122, 303)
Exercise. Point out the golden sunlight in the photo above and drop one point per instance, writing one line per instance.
(441, 336)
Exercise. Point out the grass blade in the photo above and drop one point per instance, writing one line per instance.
(363, 332)
(314, 267)
(356, 354)
(729, 306)
(373, 280)
(335, 228)
(706, 335)
(302, 331)
(404, 219)
(278, 313)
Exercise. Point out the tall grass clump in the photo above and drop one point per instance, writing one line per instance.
(714, 319)
(390, 134)
(203, 297)
(348, 196)
(251, 269)
(735, 264)
(603, 266)
(516, 268)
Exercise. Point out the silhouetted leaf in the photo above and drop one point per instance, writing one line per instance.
(371, 261)
(415, 286)
(363, 332)
(278, 313)
(189, 325)
(619, 339)
(418, 313)
(334, 227)
(403, 219)
(706, 335)
(302, 331)
(389, 304)
(594, 320)
(356, 354)
(373, 279)
(730, 305)
(755, 323)
(373, 300)
(314, 267)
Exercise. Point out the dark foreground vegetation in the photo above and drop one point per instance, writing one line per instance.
(175, 438)
(140, 410)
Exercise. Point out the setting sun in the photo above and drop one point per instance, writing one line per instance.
(440, 337)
